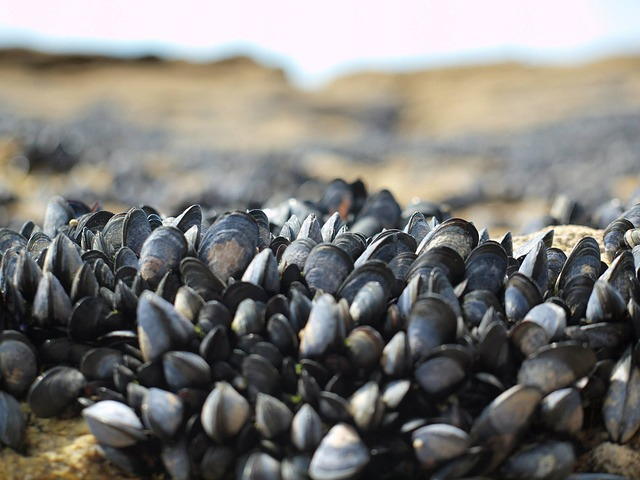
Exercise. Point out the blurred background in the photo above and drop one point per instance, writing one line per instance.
(514, 114)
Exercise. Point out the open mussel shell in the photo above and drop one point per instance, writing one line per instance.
(556, 366)
(555, 261)
(12, 422)
(55, 390)
(114, 424)
(224, 412)
(229, 244)
(341, 454)
(9, 268)
(161, 253)
(37, 246)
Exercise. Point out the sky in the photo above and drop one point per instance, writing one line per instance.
(314, 41)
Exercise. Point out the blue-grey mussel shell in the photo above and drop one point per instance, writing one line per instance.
(326, 268)
(12, 422)
(135, 229)
(306, 429)
(455, 233)
(431, 324)
(114, 424)
(162, 412)
(341, 454)
(51, 304)
(224, 412)
(621, 408)
(55, 390)
(486, 267)
(18, 363)
(161, 253)
(549, 459)
(160, 327)
(503, 421)
(568, 361)
(273, 417)
(437, 443)
(229, 244)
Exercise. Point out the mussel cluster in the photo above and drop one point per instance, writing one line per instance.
(323, 340)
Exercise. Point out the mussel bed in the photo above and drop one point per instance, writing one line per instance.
(330, 339)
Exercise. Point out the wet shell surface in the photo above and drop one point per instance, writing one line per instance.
(335, 339)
